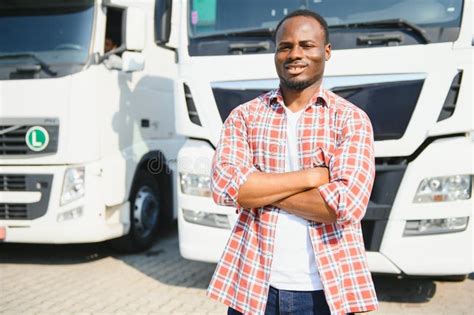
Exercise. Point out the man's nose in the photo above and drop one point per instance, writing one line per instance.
(296, 52)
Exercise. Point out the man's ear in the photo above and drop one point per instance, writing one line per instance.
(327, 51)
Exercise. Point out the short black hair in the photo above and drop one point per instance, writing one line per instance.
(307, 13)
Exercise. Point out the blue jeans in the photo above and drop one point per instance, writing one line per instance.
(284, 302)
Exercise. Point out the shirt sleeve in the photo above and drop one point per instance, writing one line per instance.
(232, 162)
(352, 170)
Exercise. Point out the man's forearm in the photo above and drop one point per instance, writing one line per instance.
(309, 205)
(263, 189)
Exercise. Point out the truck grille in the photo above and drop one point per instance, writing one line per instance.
(12, 183)
(388, 177)
(382, 98)
(13, 140)
(25, 182)
(13, 211)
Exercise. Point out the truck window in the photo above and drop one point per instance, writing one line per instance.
(215, 24)
(43, 39)
(113, 29)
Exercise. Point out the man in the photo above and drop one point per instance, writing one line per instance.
(109, 44)
(112, 61)
(298, 164)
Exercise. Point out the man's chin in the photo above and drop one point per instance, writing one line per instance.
(297, 85)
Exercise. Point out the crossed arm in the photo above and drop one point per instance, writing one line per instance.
(307, 193)
(296, 192)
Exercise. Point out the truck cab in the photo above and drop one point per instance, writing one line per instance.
(87, 136)
(407, 64)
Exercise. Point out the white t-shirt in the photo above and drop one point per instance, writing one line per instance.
(294, 264)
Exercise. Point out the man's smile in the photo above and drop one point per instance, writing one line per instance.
(295, 69)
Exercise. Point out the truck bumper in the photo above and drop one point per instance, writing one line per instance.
(96, 223)
(199, 242)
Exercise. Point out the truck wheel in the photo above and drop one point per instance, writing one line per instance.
(145, 213)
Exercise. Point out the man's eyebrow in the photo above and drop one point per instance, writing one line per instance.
(284, 42)
(307, 41)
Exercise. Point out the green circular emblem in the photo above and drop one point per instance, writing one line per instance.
(37, 138)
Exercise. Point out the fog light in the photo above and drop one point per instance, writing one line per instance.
(205, 218)
(435, 226)
(73, 214)
(446, 188)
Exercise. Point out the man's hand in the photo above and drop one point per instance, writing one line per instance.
(309, 204)
(263, 189)
(316, 176)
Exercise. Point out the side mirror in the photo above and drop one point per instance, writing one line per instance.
(162, 21)
(133, 61)
(134, 26)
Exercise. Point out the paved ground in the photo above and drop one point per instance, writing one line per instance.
(91, 279)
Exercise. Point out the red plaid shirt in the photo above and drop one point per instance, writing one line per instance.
(332, 132)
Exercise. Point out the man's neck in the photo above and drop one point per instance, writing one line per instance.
(296, 100)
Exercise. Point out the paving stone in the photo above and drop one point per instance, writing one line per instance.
(90, 279)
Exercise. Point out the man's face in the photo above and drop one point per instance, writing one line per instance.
(109, 45)
(301, 52)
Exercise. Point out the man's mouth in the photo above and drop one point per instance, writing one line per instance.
(295, 69)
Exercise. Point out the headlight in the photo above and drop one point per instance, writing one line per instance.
(205, 218)
(73, 186)
(446, 188)
(194, 184)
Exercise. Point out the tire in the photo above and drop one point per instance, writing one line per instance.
(145, 215)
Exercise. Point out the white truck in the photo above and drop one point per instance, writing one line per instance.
(407, 64)
(87, 137)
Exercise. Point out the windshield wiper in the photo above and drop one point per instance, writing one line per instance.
(398, 23)
(44, 66)
(250, 32)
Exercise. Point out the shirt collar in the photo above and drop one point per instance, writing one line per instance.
(275, 98)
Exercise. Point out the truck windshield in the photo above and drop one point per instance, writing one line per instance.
(43, 39)
(353, 24)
